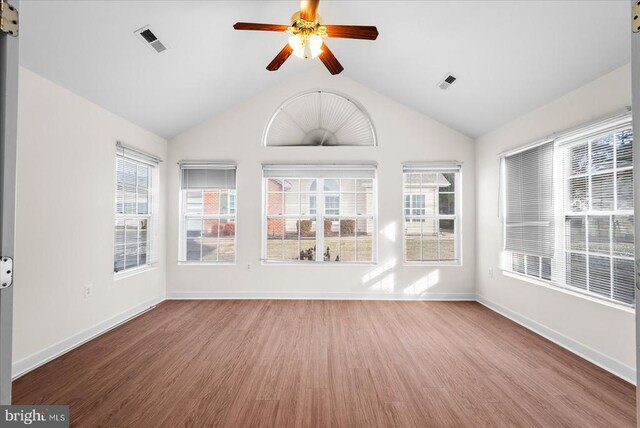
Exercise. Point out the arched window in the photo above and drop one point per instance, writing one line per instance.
(319, 118)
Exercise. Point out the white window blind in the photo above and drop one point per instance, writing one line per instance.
(598, 215)
(319, 213)
(208, 212)
(529, 210)
(568, 211)
(431, 206)
(136, 208)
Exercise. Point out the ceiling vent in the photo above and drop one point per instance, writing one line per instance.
(150, 39)
(447, 81)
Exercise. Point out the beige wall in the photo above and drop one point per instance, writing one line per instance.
(65, 219)
(403, 135)
(604, 331)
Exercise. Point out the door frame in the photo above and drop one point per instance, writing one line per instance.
(9, 63)
(635, 87)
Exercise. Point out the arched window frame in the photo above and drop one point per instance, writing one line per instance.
(358, 109)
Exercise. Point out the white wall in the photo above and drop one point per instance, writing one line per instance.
(64, 227)
(65, 219)
(403, 135)
(604, 333)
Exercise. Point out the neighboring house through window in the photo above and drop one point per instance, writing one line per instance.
(331, 197)
(431, 204)
(319, 213)
(208, 212)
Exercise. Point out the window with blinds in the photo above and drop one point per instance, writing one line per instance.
(208, 212)
(598, 215)
(134, 245)
(585, 241)
(529, 234)
(319, 213)
(431, 203)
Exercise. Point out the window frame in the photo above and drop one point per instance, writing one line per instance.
(590, 212)
(318, 216)
(562, 144)
(184, 217)
(143, 160)
(443, 168)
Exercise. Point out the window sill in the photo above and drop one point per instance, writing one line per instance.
(311, 263)
(561, 289)
(207, 263)
(432, 264)
(132, 272)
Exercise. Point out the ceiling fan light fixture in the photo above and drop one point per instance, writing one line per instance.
(306, 45)
(297, 44)
(315, 45)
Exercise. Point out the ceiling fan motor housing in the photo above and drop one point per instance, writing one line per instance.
(296, 17)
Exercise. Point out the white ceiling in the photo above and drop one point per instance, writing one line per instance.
(509, 57)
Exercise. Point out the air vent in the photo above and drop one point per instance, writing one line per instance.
(447, 81)
(150, 39)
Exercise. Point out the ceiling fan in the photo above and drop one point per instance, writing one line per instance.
(307, 36)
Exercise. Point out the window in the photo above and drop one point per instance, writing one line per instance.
(135, 177)
(319, 213)
(585, 242)
(431, 221)
(598, 215)
(208, 213)
(529, 211)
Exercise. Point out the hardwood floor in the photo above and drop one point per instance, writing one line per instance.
(327, 363)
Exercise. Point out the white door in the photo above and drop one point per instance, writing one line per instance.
(8, 133)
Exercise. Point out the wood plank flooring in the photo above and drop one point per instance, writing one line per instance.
(327, 363)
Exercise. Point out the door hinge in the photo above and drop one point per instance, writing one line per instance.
(636, 17)
(6, 272)
(8, 19)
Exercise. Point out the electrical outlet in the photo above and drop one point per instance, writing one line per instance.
(88, 291)
(248, 266)
(490, 272)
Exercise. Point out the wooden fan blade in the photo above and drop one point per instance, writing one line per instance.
(330, 61)
(259, 27)
(309, 9)
(362, 32)
(280, 58)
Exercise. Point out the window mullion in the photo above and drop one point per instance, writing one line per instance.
(320, 215)
(586, 217)
(437, 211)
(611, 282)
(586, 249)
(355, 226)
(422, 223)
(283, 224)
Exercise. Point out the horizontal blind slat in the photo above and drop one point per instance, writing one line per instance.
(365, 170)
(208, 178)
(529, 209)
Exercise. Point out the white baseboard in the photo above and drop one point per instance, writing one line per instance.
(274, 295)
(33, 361)
(599, 359)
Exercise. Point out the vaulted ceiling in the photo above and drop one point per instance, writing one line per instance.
(509, 57)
